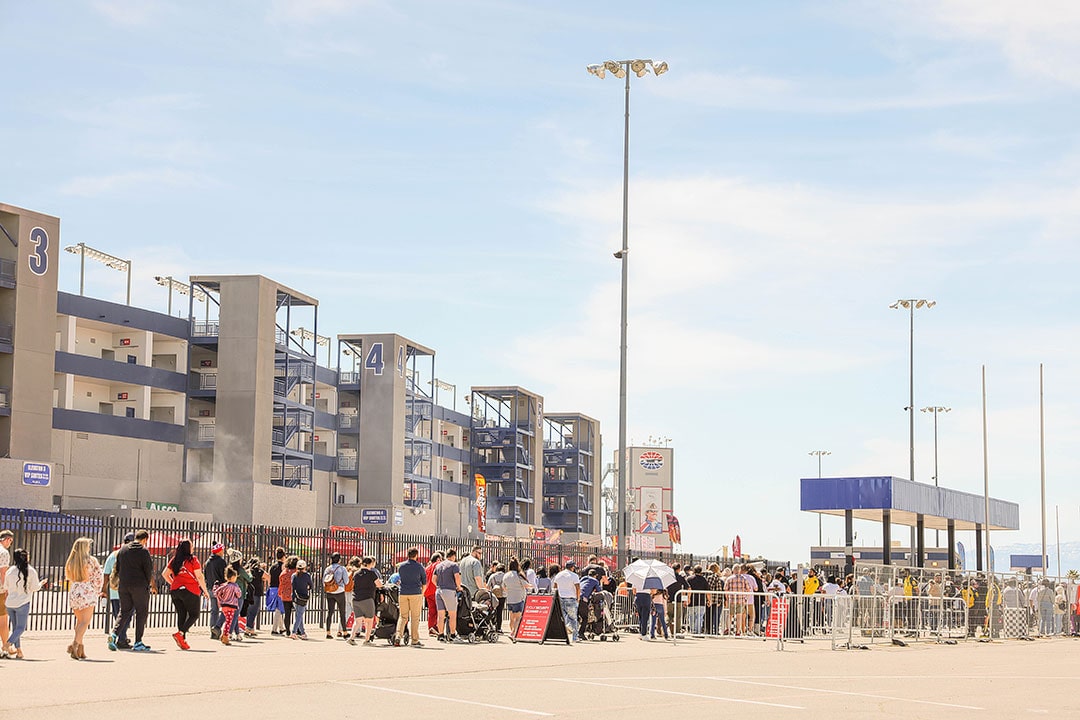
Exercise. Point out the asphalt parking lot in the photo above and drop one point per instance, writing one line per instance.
(277, 678)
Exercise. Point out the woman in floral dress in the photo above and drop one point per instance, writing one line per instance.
(84, 578)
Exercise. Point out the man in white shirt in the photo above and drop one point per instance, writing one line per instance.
(567, 587)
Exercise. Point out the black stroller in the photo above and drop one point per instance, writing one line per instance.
(485, 609)
(387, 610)
(466, 626)
(598, 622)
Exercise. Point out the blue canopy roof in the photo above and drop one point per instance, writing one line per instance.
(868, 497)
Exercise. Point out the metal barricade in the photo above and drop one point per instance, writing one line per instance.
(727, 614)
(818, 617)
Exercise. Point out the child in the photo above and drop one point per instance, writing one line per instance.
(228, 597)
(659, 613)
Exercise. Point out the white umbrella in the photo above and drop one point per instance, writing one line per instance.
(648, 574)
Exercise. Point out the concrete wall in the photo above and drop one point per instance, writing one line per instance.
(245, 395)
(382, 426)
(14, 494)
(106, 471)
(28, 431)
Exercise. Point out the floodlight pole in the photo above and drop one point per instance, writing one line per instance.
(82, 268)
(626, 66)
(624, 258)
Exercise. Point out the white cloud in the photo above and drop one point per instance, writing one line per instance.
(130, 13)
(97, 185)
(1037, 39)
(746, 90)
(310, 12)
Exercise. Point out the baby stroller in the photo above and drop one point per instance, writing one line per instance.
(387, 610)
(485, 608)
(598, 621)
(465, 624)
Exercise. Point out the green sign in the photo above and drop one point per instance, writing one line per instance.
(167, 507)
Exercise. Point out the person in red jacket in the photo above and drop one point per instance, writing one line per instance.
(429, 594)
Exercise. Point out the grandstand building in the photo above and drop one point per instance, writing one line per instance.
(245, 412)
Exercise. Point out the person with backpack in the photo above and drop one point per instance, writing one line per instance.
(494, 583)
(254, 596)
(335, 579)
(214, 570)
(110, 587)
(135, 568)
(301, 594)
(235, 559)
(228, 595)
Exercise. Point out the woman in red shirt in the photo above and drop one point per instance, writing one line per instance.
(186, 582)
(285, 589)
(429, 595)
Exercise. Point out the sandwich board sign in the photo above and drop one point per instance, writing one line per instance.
(541, 620)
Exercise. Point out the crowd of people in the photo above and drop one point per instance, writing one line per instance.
(235, 588)
(735, 600)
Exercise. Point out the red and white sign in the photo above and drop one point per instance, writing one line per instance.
(314, 438)
(777, 618)
(121, 396)
(481, 503)
(124, 342)
(536, 618)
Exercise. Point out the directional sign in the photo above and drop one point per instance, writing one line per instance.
(36, 473)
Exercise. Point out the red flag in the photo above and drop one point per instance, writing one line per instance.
(673, 531)
(736, 547)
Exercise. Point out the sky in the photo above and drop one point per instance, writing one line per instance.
(450, 171)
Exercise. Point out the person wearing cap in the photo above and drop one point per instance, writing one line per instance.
(109, 590)
(567, 586)
(301, 593)
(214, 570)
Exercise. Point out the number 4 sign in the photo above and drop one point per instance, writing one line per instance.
(374, 359)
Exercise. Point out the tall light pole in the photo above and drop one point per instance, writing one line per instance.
(910, 304)
(110, 261)
(935, 409)
(622, 69)
(819, 453)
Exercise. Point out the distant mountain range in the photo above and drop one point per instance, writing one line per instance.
(1070, 555)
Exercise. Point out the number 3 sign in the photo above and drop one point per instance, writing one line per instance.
(39, 256)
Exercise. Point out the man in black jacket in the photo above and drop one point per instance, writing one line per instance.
(214, 572)
(135, 570)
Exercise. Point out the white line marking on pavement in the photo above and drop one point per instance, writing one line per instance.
(443, 697)
(683, 694)
(847, 692)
